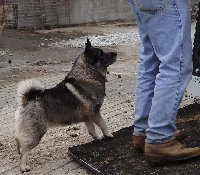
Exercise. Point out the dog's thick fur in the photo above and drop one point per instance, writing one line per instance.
(78, 98)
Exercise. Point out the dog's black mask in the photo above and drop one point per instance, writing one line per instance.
(97, 57)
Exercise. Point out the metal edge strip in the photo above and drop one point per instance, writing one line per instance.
(84, 164)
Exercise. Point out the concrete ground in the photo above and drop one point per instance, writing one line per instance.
(29, 55)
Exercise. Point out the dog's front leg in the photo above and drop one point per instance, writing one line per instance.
(99, 121)
(91, 129)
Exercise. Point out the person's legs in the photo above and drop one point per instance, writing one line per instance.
(164, 27)
(167, 27)
(170, 34)
(146, 75)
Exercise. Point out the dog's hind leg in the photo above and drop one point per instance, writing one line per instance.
(26, 145)
(99, 121)
(23, 158)
(91, 129)
(27, 141)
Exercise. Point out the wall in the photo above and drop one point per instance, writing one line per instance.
(8, 13)
(86, 11)
(193, 2)
(42, 13)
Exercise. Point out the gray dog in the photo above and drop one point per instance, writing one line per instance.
(78, 98)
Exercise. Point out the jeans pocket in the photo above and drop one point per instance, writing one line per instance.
(151, 7)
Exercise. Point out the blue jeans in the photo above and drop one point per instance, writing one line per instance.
(165, 68)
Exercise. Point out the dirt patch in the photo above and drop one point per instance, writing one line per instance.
(27, 40)
(118, 156)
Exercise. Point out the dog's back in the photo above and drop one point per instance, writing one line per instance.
(59, 104)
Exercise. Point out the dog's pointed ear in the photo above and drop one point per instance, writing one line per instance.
(88, 44)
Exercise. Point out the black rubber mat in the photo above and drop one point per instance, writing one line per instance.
(117, 156)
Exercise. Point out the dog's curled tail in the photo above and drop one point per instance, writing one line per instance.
(27, 89)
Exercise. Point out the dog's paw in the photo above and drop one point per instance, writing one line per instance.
(109, 135)
(97, 138)
(25, 168)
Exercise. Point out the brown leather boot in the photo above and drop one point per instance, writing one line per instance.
(139, 141)
(170, 151)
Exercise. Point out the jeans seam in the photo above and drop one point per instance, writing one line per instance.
(181, 63)
(179, 81)
(136, 13)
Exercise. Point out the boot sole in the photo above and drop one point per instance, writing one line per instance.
(154, 159)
